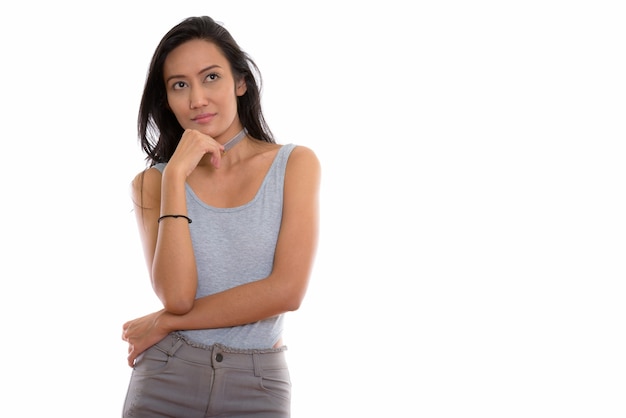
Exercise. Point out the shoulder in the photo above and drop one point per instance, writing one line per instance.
(302, 156)
(303, 165)
(146, 185)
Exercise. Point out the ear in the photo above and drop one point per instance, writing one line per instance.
(241, 87)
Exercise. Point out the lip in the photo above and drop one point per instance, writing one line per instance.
(203, 118)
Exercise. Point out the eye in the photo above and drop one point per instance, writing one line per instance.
(212, 76)
(179, 85)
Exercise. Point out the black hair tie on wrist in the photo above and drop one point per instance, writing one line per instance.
(174, 216)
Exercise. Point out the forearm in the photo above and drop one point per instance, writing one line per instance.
(237, 306)
(174, 275)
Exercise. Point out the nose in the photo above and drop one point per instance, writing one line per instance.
(197, 97)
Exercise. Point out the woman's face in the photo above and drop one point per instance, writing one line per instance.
(201, 90)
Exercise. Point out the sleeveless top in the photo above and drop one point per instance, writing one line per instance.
(233, 246)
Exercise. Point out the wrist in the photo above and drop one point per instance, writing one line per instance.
(173, 175)
(163, 321)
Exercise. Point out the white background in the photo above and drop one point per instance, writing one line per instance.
(471, 260)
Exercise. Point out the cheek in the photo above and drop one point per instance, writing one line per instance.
(224, 98)
(176, 103)
(179, 109)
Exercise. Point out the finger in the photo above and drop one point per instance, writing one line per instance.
(216, 159)
(125, 334)
(216, 154)
(131, 358)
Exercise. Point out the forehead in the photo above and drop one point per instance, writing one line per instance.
(193, 56)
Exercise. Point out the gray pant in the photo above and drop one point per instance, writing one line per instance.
(174, 379)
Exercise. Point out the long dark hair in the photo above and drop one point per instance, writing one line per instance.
(159, 131)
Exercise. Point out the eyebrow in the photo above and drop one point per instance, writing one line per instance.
(210, 67)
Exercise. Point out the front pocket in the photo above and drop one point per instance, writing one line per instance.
(151, 362)
(277, 383)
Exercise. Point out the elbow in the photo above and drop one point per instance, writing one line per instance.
(178, 306)
(293, 305)
(290, 292)
(177, 302)
(293, 300)
(177, 296)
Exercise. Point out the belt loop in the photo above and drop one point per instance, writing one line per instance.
(256, 361)
(175, 347)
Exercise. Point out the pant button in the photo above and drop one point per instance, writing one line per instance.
(219, 357)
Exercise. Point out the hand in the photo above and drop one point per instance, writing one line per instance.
(142, 333)
(192, 147)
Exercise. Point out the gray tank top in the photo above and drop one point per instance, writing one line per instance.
(234, 246)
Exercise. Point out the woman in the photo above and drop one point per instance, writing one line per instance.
(228, 220)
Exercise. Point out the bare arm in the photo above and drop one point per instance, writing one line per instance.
(284, 289)
(167, 245)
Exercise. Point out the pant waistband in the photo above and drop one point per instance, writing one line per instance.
(219, 356)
